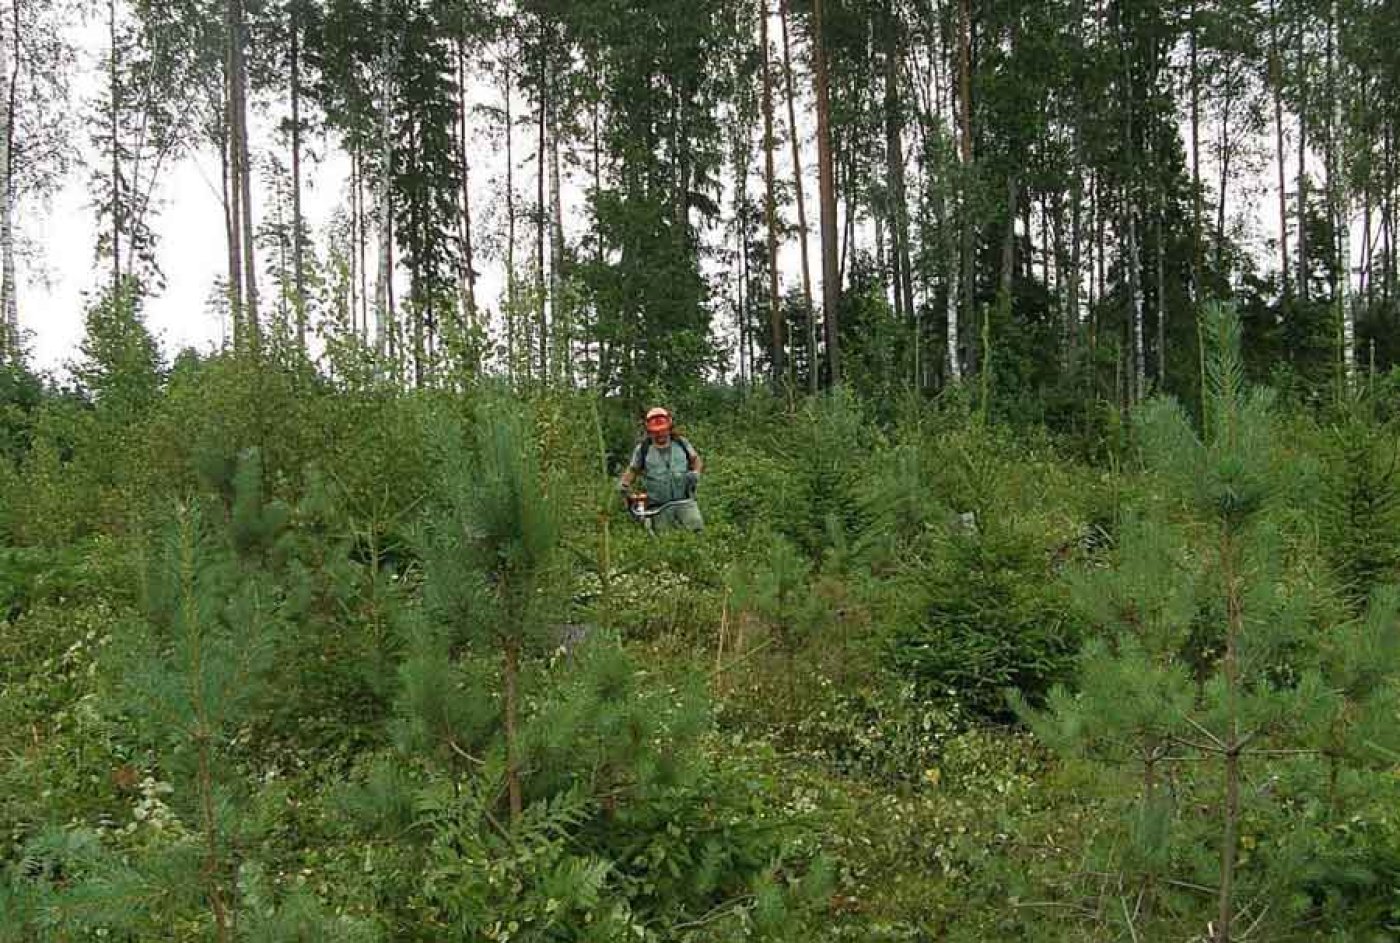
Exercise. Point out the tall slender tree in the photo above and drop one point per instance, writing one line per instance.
(777, 340)
(9, 282)
(1341, 193)
(831, 271)
(241, 166)
(799, 194)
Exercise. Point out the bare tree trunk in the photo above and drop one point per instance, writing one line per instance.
(9, 308)
(1006, 282)
(968, 260)
(770, 205)
(541, 216)
(1161, 300)
(603, 347)
(511, 313)
(1366, 288)
(1342, 201)
(884, 261)
(353, 252)
(899, 210)
(1197, 196)
(1224, 152)
(1301, 276)
(298, 257)
(831, 276)
(1075, 251)
(279, 227)
(812, 352)
(243, 171)
(563, 312)
(418, 304)
(384, 291)
(1133, 263)
(741, 315)
(467, 287)
(953, 279)
(362, 243)
(1276, 76)
(114, 128)
(1100, 275)
(845, 170)
(233, 225)
(1388, 211)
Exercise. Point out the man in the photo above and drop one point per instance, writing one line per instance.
(670, 469)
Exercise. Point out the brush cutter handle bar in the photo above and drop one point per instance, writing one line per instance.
(642, 515)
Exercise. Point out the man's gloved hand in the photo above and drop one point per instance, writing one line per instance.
(692, 481)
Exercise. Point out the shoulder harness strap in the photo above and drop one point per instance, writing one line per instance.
(646, 450)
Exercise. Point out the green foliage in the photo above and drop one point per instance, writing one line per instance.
(261, 631)
(993, 620)
(775, 585)
(120, 368)
(490, 553)
(21, 394)
(1360, 494)
(1216, 649)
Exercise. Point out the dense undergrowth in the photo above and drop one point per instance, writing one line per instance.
(292, 659)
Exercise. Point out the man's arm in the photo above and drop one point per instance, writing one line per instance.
(629, 474)
(697, 465)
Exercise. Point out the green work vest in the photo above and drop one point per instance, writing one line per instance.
(664, 477)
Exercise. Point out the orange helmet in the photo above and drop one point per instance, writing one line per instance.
(658, 419)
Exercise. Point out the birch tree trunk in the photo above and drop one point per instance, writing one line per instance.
(9, 306)
(232, 227)
(1276, 77)
(831, 276)
(467, 278)
(362, 243)
(1197, 196)
(1161, 299)
(563, 313)
(1132, 264)
(1224, 152)
(1388, 212)
(384, 274)
(899, 211)
(356, 255)
(541, 215)
(1342, 201)
(298, 256)
(1075, 223)
(770, 204)
(511, 313)
(1301, 276)
(1006, 281)
(813, 354)
(114, 129)
(964, 105)
(953, 280)
(243, 171)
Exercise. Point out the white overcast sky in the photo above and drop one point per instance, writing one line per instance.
(55, 285)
